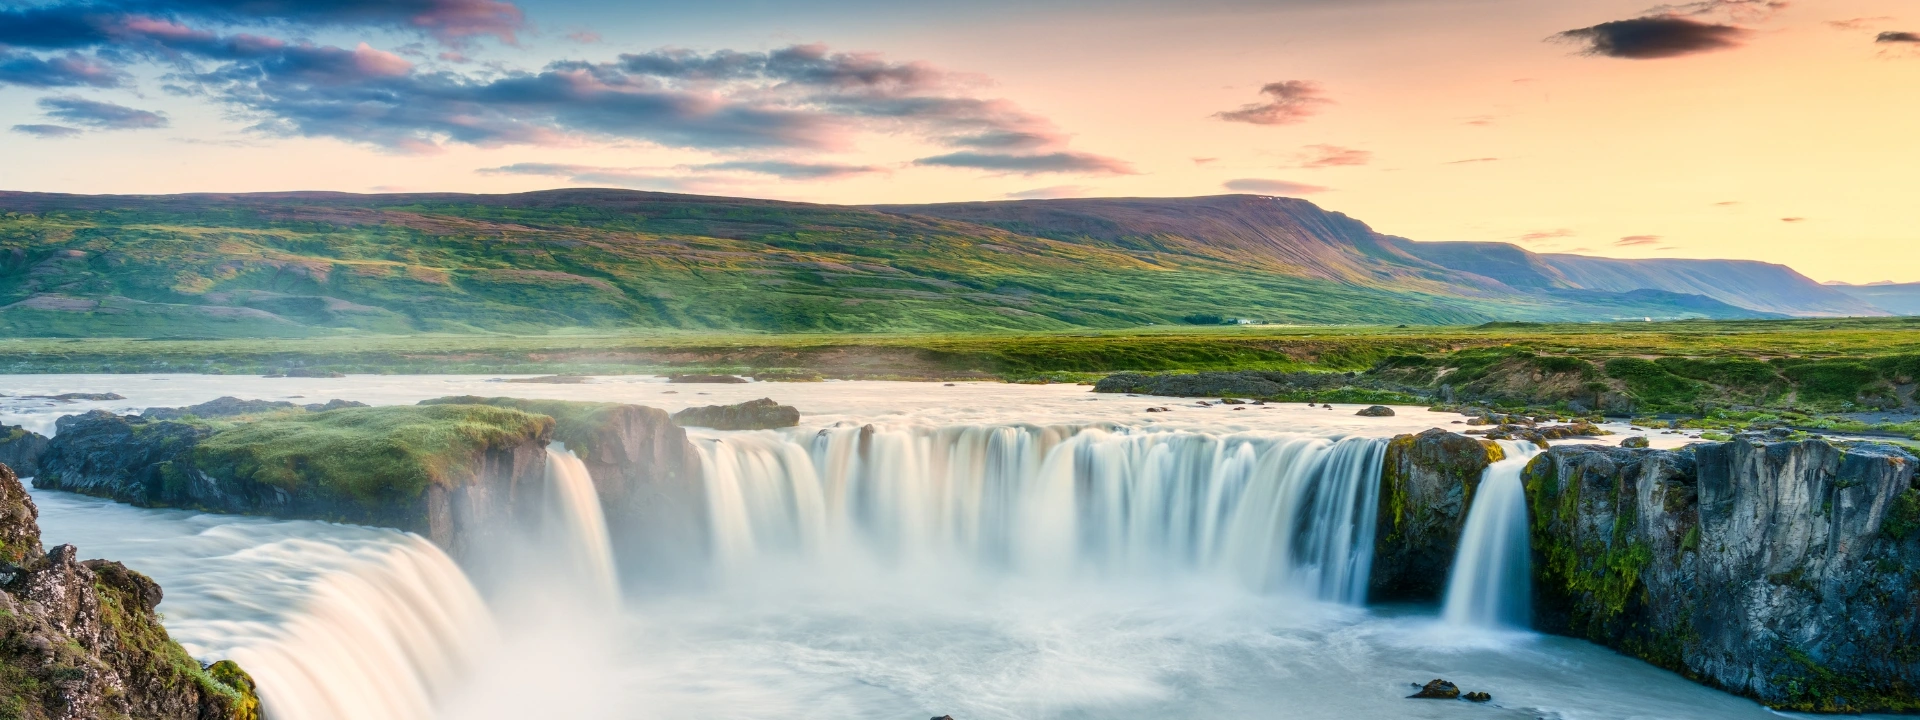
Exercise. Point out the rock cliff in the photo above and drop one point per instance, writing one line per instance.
(1788, 571)
(80, 640)
(21, 448)
(1426, 486)
(762, 414)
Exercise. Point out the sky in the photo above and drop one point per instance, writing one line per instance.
(1786, 132)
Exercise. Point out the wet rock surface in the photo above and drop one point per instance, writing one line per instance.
(762, 414)
(1427, 484)
(1787, 571)
(1436, 689)
(80, 640)
(21, 449)
(1376, 411)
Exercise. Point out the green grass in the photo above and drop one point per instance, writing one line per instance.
(379, 456)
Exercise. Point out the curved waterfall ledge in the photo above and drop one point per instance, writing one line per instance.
(1275, 512)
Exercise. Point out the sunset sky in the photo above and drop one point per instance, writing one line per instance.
(1779, 131)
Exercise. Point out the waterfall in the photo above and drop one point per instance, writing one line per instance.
(382, 639)
(577, 527)
(1274, 512)
(1491, 582)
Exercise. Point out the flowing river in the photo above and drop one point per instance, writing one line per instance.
(914, 549)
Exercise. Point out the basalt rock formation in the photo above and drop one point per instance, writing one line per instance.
(21, 448)
(1788, 571)
(453, 473)
(80, 639)
(646, 473)
(762, 414)
(1426, 486)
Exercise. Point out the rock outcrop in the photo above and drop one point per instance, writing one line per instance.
(21, 448)
(232, 406)
(762, 414)
(1426, 486)
(454, 475)
(80, 640)
(1787, 571)
(645, 470)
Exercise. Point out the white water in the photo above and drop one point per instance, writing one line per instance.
(1490, 585)
(578, 528)
(1274, 512)
(1140, 567)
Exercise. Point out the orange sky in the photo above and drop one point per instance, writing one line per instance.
(1458, 121)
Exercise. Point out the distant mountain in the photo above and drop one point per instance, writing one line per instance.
(1895, 298)
(281, 264)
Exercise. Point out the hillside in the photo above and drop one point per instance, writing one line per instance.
(304, 264)
(1895, 298)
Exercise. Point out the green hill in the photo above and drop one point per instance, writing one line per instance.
(316, 264)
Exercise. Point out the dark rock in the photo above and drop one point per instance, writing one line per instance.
(762, 414)
(1636, 441)
(724, 379)
(1232, 401)
(21, 449)
(1783, 571)
(75, 397)
(1376, 411)
(334, 404)
(1476, 696)
(1157, 409)
(1427, 483)
(218, 407)
(1437, 689)
(80, 639)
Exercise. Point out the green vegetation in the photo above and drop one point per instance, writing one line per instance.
(379, 456)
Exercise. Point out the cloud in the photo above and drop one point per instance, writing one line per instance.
(1660, 36)
(1035, 164)
(1892, 36)
(69, 70)
(584, 37)
(634, 178)
(1859, 23)
(1050, 192)
(1738, 9)
(1326, 156)
(100, 115)
(1472, 160)
(1291, 101)
(100, 22)
(1480, 120)
(47, 131)
(1727, 203)
(1632, 240)
(791, 170)
(1539, 235)
(1272, 187)
(1793, 219)
(1205, 160)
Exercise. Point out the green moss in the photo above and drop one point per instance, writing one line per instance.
(1653, 385)
(379, 456)
(575, 423)
(1812, 687)
(1904, 516)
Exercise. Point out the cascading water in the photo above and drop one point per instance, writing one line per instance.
(576, 524)
(382, 638)
(1275, 512)
(1491, 582)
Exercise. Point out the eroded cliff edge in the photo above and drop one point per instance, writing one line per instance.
(1785, 570)
(80, 639)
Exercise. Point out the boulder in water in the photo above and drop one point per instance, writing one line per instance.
(1476, 696)
(1376, 411)
(1636, 441)
(1437, 689)
(762, 414)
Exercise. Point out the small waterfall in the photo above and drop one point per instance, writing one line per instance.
(383, 639)
(1491, 582)
(576, 525)
(1275, 512)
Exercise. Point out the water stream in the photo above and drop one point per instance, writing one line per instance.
(1490, 585)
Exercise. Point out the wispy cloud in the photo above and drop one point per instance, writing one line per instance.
(100, 115)
(1539, 235)
(68, 70)
(1288, 102)
(1636, 240)
(47, 131)
(1205, 160)
(1272, 187)
(1051, 192)
(1793, 219)
(1326, 156)
(1031, 164)
(1470, 161)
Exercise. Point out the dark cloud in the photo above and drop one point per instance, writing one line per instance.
(1272, 187)
(100, 115)
(1740, 9)
(1892, 36)
(1326, 156)
(69, 70)
(1289, 102)
(1659, 36)
(1035, 164)
(118, 22)
(791, 170)
(1633, 240)
(47, 131)
(1049, 193)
